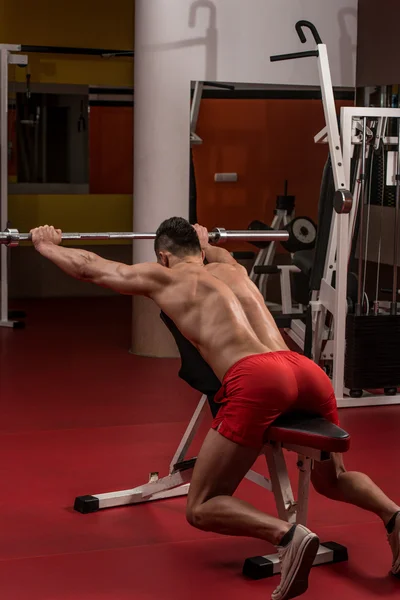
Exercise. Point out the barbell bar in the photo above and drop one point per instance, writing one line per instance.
(12, 237)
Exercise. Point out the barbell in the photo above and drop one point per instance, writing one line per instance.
(12, 237)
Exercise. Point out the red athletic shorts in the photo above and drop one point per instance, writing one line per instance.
(259, 388)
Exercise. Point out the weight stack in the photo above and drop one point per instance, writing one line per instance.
(372, 352)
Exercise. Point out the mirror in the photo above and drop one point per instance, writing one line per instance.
(246, 141)
(52, 138)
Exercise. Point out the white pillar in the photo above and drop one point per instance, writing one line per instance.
(177, 41)
(161, 166)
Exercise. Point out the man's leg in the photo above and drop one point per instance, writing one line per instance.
(330, 478)
(220, 467)
(333, 481)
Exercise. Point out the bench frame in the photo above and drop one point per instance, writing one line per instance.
(177, 483)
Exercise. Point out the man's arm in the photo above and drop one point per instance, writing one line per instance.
(213, 254)
(143, 279)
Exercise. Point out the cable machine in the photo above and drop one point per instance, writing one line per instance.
(357, 341)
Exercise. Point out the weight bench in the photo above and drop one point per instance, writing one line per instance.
(310, 437)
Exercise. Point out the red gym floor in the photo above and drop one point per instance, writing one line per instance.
(79, 415)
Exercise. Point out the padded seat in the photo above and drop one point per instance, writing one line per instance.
(308, 430)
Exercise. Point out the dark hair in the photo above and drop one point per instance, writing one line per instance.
(177, 236)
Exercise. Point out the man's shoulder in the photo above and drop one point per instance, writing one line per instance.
(227, 268)
(152, 271)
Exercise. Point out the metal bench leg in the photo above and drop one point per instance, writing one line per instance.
(173, 485)
(260, 567)
(281, 486)
(304, 465)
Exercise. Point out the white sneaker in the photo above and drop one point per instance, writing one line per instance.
(296, 561)
(394, 541)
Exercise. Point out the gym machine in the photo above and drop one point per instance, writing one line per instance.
(302, 235)
(7, 57)
(360, 348)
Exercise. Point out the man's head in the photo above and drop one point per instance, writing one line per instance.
(177, 241)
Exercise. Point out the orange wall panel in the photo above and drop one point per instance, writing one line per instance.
(111, 150)
(265, 142)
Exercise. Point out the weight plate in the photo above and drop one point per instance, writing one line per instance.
(302, 235)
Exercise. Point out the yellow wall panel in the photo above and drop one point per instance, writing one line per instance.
(87, 24)
(80, 70)
(71, 23)
(84, 213)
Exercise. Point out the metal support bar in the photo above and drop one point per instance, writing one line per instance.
(393, 307)
(190, 433)
(194, 112)
(270, 253)
(360, 299)
(328, 101)
(317, 455)
(306, 54)
(11, 47)
(4, 175)
(102, 52)
(260, 480)
(170, 486)
(304, 465)
(6, 58)
(12, 237)
(281, 486)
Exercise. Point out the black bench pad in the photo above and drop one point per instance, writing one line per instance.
(308, 430)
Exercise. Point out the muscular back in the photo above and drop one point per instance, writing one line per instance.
(252, 301)
(220, 311)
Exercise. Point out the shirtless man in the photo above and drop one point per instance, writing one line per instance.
(223, 314)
